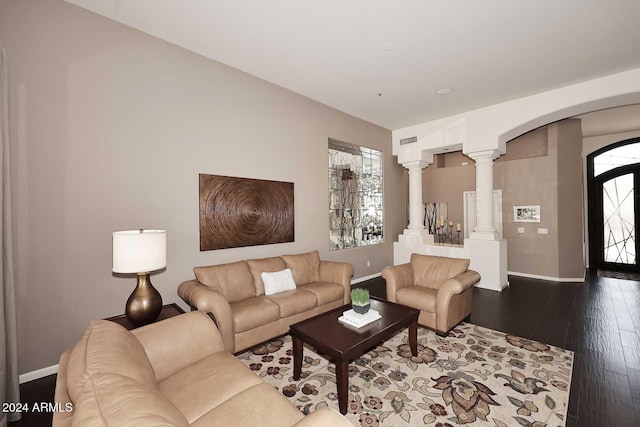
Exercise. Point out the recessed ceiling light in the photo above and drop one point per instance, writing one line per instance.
(444, 91)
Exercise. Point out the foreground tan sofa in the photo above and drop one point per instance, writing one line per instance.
(234, 294)
(440, 287)
(170, 373)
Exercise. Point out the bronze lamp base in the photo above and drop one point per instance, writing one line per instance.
(144, 303)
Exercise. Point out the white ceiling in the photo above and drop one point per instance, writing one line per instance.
(344, 53)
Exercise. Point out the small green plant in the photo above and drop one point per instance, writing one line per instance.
(360, 296)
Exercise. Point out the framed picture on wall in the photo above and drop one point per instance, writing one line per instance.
(526, 213)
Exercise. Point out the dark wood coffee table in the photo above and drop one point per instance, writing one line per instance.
(343, 343)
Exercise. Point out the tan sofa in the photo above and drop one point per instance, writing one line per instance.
(234, 294)
(440, 287)
(170, 373)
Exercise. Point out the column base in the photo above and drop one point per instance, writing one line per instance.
(411, 239)
(415, 232)
(489, 258)
(483, 235)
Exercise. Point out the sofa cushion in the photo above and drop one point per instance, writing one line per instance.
(107, 347)
(418, 297)
(207, 383)
(325, 292)
(233, 280)
(115, 400)
(294, 302)
(253, 312)
(432, 271)
(264, 265)
(305, 267)
(261, 405)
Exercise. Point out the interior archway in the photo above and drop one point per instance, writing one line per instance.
(595, 138)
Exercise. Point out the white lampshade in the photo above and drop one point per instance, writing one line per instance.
(139, 251)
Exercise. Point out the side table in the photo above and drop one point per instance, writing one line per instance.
(168, 311)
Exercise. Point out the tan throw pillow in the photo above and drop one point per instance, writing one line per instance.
(264, 265)
(305, 267)
(234, 280)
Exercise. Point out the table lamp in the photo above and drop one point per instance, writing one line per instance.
(141, 252)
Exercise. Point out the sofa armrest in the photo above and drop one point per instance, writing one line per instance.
(340, 273)
(177, 342)
(61, 397)
(458, 284)
(455, 286)
(203, 298)
(323, 417)
(453, 301)
(397, 277)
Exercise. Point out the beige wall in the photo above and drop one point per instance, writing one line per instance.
(446, 183)
(542, 167)
(531, 181)
(110, 128)
(571, 260)
(449, 176)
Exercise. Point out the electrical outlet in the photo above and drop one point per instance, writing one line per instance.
(368, 263)
(543, 231)
(521, 230)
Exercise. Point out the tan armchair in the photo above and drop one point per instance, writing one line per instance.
(440, 287)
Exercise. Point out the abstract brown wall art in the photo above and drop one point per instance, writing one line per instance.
(237, 212)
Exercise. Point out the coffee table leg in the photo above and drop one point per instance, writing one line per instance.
(297, 358)
(342, 383)
(413, 337)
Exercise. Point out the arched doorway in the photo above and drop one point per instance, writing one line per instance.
(613, 180)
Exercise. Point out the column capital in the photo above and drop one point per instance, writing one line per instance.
(485, 154)
(416, 164)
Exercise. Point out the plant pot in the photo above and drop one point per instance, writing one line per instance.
(360, 309)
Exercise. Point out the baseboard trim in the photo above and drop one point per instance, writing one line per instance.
(38, 373)
(365, 278)
(552, 279)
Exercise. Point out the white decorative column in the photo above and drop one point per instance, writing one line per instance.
(485, 229)
(416, 207)
(488, 254)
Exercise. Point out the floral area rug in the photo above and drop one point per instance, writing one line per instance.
(475, 376)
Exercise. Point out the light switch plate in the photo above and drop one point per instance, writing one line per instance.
(543, 231)
(521, 230)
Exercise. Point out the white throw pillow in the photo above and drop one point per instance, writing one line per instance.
(278, 281)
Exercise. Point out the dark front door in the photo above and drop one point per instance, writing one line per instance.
(614, 207)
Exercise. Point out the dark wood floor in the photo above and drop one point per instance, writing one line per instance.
(599, 320)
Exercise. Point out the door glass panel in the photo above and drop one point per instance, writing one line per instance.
(620, 156)
(619, 222)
